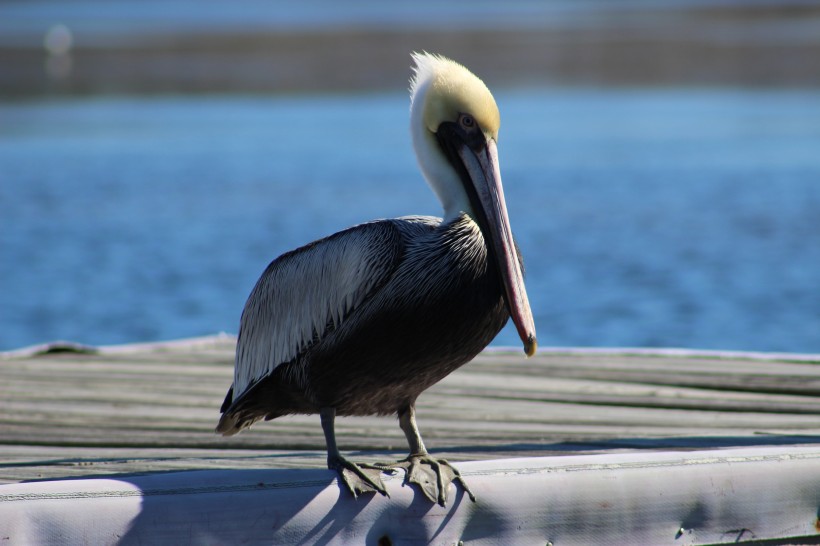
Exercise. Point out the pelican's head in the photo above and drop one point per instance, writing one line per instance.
(454, 122)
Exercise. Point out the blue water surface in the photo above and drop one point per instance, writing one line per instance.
(677, 218)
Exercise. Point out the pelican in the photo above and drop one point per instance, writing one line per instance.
(363, 321)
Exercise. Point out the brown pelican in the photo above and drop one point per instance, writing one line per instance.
(363, 321)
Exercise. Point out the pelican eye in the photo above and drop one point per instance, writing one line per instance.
(467, 122)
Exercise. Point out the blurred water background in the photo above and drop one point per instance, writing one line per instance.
(661, 159)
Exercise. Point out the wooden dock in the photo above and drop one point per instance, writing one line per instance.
(147, 412)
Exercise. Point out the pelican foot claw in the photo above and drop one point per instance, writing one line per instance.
(358, 478)
(433, 476)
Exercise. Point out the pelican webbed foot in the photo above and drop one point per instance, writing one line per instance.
(433, 476)
(358, 478)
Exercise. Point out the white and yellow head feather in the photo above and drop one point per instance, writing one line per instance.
(440, 90)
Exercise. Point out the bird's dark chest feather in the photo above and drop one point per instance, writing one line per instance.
(440, 309)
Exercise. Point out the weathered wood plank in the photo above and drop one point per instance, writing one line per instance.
(71, 414)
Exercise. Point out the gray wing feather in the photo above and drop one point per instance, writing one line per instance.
(304, 292)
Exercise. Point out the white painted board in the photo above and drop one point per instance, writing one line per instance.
(677, 498)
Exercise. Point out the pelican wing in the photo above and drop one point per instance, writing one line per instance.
(309, 291)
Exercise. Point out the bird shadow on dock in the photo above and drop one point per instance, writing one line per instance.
(295, 506)
(228, 506)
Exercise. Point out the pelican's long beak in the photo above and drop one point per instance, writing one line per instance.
(482, 167)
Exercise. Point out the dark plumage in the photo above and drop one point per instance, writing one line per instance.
(440, 305)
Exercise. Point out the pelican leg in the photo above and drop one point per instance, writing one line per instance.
(357, 478)
(433, 476)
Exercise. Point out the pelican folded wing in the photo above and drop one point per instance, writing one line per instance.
(309, 291)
